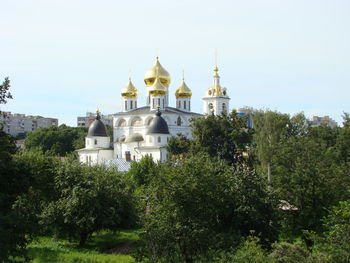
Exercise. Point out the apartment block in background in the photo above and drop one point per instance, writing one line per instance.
(90, 117)
(16, 123)
(325, 120)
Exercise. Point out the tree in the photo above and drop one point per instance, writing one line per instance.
(336, 238)
(59, 141)
(143, 171)
(4, 91)
(270, 128)
(178, 145)
(309, 177)
(225, 136)
(90, 198)
(12, 231)
(200, 204)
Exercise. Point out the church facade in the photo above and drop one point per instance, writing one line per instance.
(146, 130)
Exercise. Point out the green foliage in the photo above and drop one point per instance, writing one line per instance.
(4, 91)
(270, 129)
(178, 145)
(309, 177)
(336, 239)
(91, 198)
(57, 140)
(143, 171)
(248, 252)
(199, 204)
(289, 253)
(12, 230)
(225, 136)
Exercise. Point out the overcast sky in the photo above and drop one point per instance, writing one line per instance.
(66, 57)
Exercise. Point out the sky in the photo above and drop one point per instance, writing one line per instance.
(67, 57)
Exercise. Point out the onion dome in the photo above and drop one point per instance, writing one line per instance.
(157, 88)
(183, 91)
(151, 75)
(158, 125)
(97, 127)
(129, 91)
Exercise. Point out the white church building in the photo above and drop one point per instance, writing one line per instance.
(140, 131)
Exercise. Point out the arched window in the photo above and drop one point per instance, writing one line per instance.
(136, 121)
(224, 107)
(131, 104)
(185, 105)
(179, 104)
(179, 121)
(121, 123)
(135, 104)
(126, 105)
(189, 105)
(159, 139)
(95, 141)
(148, 121)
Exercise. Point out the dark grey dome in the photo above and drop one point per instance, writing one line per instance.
(97, 128)
(158, 125)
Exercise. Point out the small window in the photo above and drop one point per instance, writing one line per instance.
(153, 106)
(224, 107)
(158, 102)
(189, 105)
(135, 104)
(178, 121)
(133, 157)
(163, 103)
(95, 141)
(131, 104)
(159, 139)
(167, 139)
(179, 104)
(126, 105)
(185, 105)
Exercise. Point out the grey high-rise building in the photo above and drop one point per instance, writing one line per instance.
(16, 123)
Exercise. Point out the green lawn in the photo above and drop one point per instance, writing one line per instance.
(47, 249)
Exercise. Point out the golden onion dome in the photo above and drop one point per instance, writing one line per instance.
(129, 91)
(151, 74)
(157, 88)
(183, 91)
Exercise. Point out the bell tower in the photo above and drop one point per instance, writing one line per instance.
(216, 99)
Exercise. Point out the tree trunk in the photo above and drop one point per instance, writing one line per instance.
(269, 178)
(83, 238)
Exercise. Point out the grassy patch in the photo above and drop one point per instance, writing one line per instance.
(49, 250)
